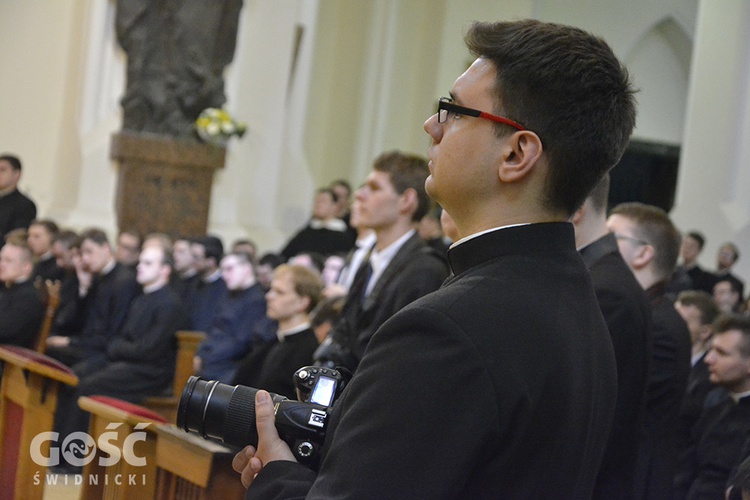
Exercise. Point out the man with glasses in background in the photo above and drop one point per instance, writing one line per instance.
(650, 243)
(502, 383)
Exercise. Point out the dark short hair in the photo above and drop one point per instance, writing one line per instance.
(48, 224)
(568, 87)
(407, 171)
(96, 235)
(653, 225)
(732, 284)
(727, 322)
(702, 301)
(212, 246)
(698, 237)
(271, 259)
(343, 183)
(69, 239)
(731, 246)
(14, 161)
(329, 191)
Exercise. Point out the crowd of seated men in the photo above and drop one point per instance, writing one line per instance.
(122, 301)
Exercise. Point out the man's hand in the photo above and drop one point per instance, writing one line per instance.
(250, 461)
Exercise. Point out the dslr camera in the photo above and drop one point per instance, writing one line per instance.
(220, 411)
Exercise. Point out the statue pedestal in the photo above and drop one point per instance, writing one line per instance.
(164, 184)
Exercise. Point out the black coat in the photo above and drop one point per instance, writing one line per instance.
(668, 376)
(414, 271)
(715, 450)
(16, 212)
(271, 366)
(106, 308)
(625, 309)
(21, 314)
(499, 385)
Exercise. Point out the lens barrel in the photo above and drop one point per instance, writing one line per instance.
(220, 411)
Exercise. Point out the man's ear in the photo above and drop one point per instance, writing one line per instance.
(578, 214)
(643, 256)
(408, 201)
(522, 151)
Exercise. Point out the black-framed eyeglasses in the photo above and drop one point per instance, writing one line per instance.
(446, 105)
(631, 238)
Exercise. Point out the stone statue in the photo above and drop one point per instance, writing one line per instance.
(177, 51)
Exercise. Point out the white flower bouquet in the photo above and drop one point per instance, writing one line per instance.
(215, 126)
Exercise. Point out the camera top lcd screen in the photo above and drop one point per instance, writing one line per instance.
(324, 391)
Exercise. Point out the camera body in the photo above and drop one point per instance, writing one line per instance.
(220, 411)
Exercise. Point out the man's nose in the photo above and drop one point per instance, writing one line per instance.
(434, 128)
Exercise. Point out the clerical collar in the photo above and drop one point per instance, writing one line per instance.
(153, 287)
(214, 276)
(282, 334)
(189, 273)
(736, 396)
(332, 224)
(480, 233)
(108, 268)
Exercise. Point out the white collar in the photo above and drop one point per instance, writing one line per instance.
(281, 335)
(332, 224)
(480, 233)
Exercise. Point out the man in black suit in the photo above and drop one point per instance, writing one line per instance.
(626, 311)
(42, 233)
(502, 384)
(699, 311)
(725, 261)
(16, 210)
(649, 243)
(400, 267)
(106, 289)
(719, 436)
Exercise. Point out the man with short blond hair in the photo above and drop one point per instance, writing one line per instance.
(295, 291)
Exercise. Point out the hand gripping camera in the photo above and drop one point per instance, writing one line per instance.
(220, 411)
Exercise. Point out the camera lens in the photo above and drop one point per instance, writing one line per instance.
(220, 411)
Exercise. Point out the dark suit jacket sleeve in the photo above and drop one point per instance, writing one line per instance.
(416, 461)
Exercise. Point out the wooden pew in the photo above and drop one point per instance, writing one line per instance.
(122, 479)
(187, 345)
(28, 398)
(52, 289)
(189, 467)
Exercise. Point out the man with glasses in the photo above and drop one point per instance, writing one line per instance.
(502, 383)
(626, 311)
(650, 243)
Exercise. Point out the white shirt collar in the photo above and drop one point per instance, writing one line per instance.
(480, 233)
(739, 395)
(379, 260)
(281, 335)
